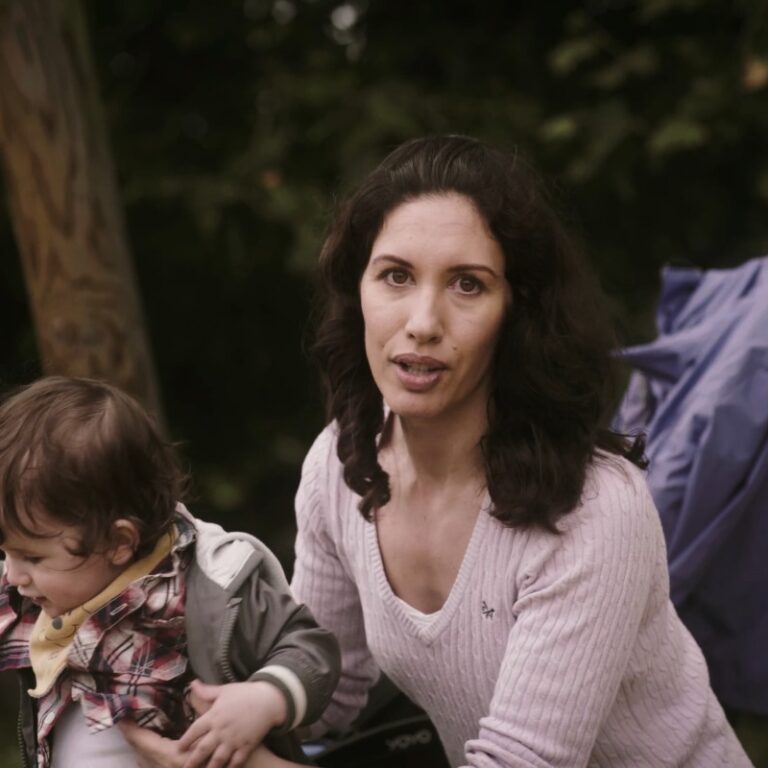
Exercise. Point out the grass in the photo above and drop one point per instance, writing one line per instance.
(752, 731)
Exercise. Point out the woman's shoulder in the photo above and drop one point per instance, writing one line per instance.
(615, 479)
(321, 463)
(616, 505)
(612, 536)
(616, 514)
(322, 489)
(323, 448)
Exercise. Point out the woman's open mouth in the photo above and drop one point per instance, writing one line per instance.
(417, 369)
(417, 373)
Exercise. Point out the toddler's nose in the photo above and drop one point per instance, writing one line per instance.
(16, 574)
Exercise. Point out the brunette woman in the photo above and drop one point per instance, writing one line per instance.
(467, 525)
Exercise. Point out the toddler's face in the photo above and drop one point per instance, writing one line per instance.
(45, 570)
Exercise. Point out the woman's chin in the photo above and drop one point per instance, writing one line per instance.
(416, 407)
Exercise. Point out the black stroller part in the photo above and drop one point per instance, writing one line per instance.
(386, 704)
(390, 731)
(409, 743)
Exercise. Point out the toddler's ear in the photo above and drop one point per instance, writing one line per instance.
(123, 542)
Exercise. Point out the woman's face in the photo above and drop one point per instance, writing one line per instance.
(433, 297)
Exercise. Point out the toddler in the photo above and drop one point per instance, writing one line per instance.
(113, 597)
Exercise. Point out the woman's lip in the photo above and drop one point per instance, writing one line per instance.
(418, 381)
(419, 360)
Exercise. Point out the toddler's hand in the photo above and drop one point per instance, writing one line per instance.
(234, 721)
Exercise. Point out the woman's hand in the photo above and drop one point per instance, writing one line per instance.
(263, 758)
(153, 750)
(236, 718)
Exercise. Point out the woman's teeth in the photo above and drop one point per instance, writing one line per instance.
(412, 368)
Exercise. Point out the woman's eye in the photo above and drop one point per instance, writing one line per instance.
(396, 276)
(468, 285)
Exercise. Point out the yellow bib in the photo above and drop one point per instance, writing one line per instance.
(52, 637)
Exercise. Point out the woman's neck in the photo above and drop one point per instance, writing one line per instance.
(436, 452)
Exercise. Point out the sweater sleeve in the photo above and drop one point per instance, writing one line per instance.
(579, 606)
(322, 581)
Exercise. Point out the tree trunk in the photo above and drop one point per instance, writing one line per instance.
(65, 210)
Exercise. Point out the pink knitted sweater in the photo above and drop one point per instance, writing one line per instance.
(549, 651)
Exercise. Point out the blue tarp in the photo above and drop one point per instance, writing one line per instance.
(700, 392)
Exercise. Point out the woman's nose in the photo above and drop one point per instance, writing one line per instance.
(425, 323)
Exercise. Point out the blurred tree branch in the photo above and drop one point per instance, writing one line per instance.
(63, 200)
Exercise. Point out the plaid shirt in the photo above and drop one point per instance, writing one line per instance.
(127, 660)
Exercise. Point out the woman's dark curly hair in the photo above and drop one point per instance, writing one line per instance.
(554, 376)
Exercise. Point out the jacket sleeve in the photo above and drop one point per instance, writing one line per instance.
(295, 654)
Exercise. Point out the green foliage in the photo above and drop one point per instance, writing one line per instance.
(236, 125)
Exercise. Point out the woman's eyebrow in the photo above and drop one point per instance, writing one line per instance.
(472, 267)
(390, 257)
(468, 267)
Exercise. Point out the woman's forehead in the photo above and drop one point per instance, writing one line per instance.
(447, 223)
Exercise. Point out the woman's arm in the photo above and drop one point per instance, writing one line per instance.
(578, 614)
(322, 582)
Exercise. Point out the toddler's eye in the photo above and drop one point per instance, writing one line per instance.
(32, 560)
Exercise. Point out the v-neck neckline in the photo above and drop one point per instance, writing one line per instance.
(428, 631)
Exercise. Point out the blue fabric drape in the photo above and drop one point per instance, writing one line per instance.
(700, 392)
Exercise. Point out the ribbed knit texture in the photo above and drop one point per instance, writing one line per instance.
(549, 651)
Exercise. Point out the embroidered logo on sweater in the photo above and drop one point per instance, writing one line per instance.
(486, 611)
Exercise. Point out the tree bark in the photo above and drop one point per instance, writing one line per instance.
(61, 189)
